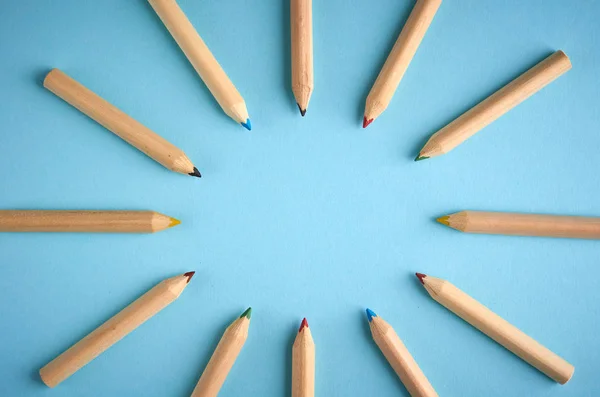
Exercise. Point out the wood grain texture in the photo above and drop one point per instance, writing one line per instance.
(498, 329)
(196, 51)
(84, 221)
(400, 57)
(400, 359)
(303, 364)
(114, 330)
(122, 125)
(302, 52)
(524, 224)
(496, 105)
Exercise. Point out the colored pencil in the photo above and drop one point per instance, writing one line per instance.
(495, 105)
(497, 328)
(399, 357)
(122, 125)
(302, 52)
(113, 330)
(84, 221)
(223, 357)
(397, 62)
(203, 60)
(303, 363)
(523, 224)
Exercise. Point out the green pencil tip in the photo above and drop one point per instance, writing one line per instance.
(419, 158)
(247, 313)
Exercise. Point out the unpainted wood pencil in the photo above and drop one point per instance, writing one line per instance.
(84, 221)
(495, 105)
(116, 121)
(302, 52)
(399, 357)
(303, 363)
(196, 51)
(223, 357)
(523, 224)
(497, 328)
(399, 58)
(113, 330)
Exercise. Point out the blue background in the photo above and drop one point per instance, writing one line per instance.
(309, 216)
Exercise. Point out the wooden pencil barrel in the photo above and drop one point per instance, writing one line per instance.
(302, 51)
(83, 221)
(303, 365)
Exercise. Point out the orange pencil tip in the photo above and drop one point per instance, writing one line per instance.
(444, 220)
(303, 325)
(421, 276)
(174, 222)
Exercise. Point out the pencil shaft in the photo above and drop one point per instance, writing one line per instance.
(302, 51)
(499, 329)
(400, 359)
(529, 224)
(497, 104)
(113, 330)
(201, 58)
(83, 221)
(303, 365)
(122, 125)
(400, 57)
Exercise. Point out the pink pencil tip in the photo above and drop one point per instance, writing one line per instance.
(303, 325)
(421, 276)
(366, 122)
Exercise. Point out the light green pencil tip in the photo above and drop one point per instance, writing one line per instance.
(247, 313)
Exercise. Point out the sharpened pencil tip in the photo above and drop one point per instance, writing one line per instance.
(174, 222)
(247, 125)
(444, 220)
(196, 173)
(421, 276)
(419, 158)
(302, 111)
(366, 122)
(189, 275)
(247, 313)
(370, 315)
(303, 325)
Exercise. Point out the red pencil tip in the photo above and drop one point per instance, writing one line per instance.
(421, 276)
(366, 122)
(189, 275)
(303, 325)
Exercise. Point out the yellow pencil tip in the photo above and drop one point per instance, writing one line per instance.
(444, 220)
(174, 222)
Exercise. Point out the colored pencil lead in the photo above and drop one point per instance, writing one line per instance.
(196, 173)
(189, 275)
(366, 122)
(370, 315)
(421, 276)
(419, 158)
(174, 222)
(247, 125)
(247, 313)
(303, 325)
(302, 111)
(444, 220)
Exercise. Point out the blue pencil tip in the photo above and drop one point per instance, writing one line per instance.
(247, 125)
(371, 314)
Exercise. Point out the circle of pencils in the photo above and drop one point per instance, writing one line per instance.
(113, 330)
(399, 357)
(497, 328)
(303, 363)
(84, 221)
(223, 357)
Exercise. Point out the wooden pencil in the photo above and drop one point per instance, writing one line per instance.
(223, 357)
(495, 105)
(399, 357)
(122, 125)
(203, 60)
(113, 330)
(523, 224)
(84, 221)
(303, 363)
(302, 52)
(497, 328)
(399, 58)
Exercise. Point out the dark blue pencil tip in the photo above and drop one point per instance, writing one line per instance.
(370, 314)
(247, 125)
